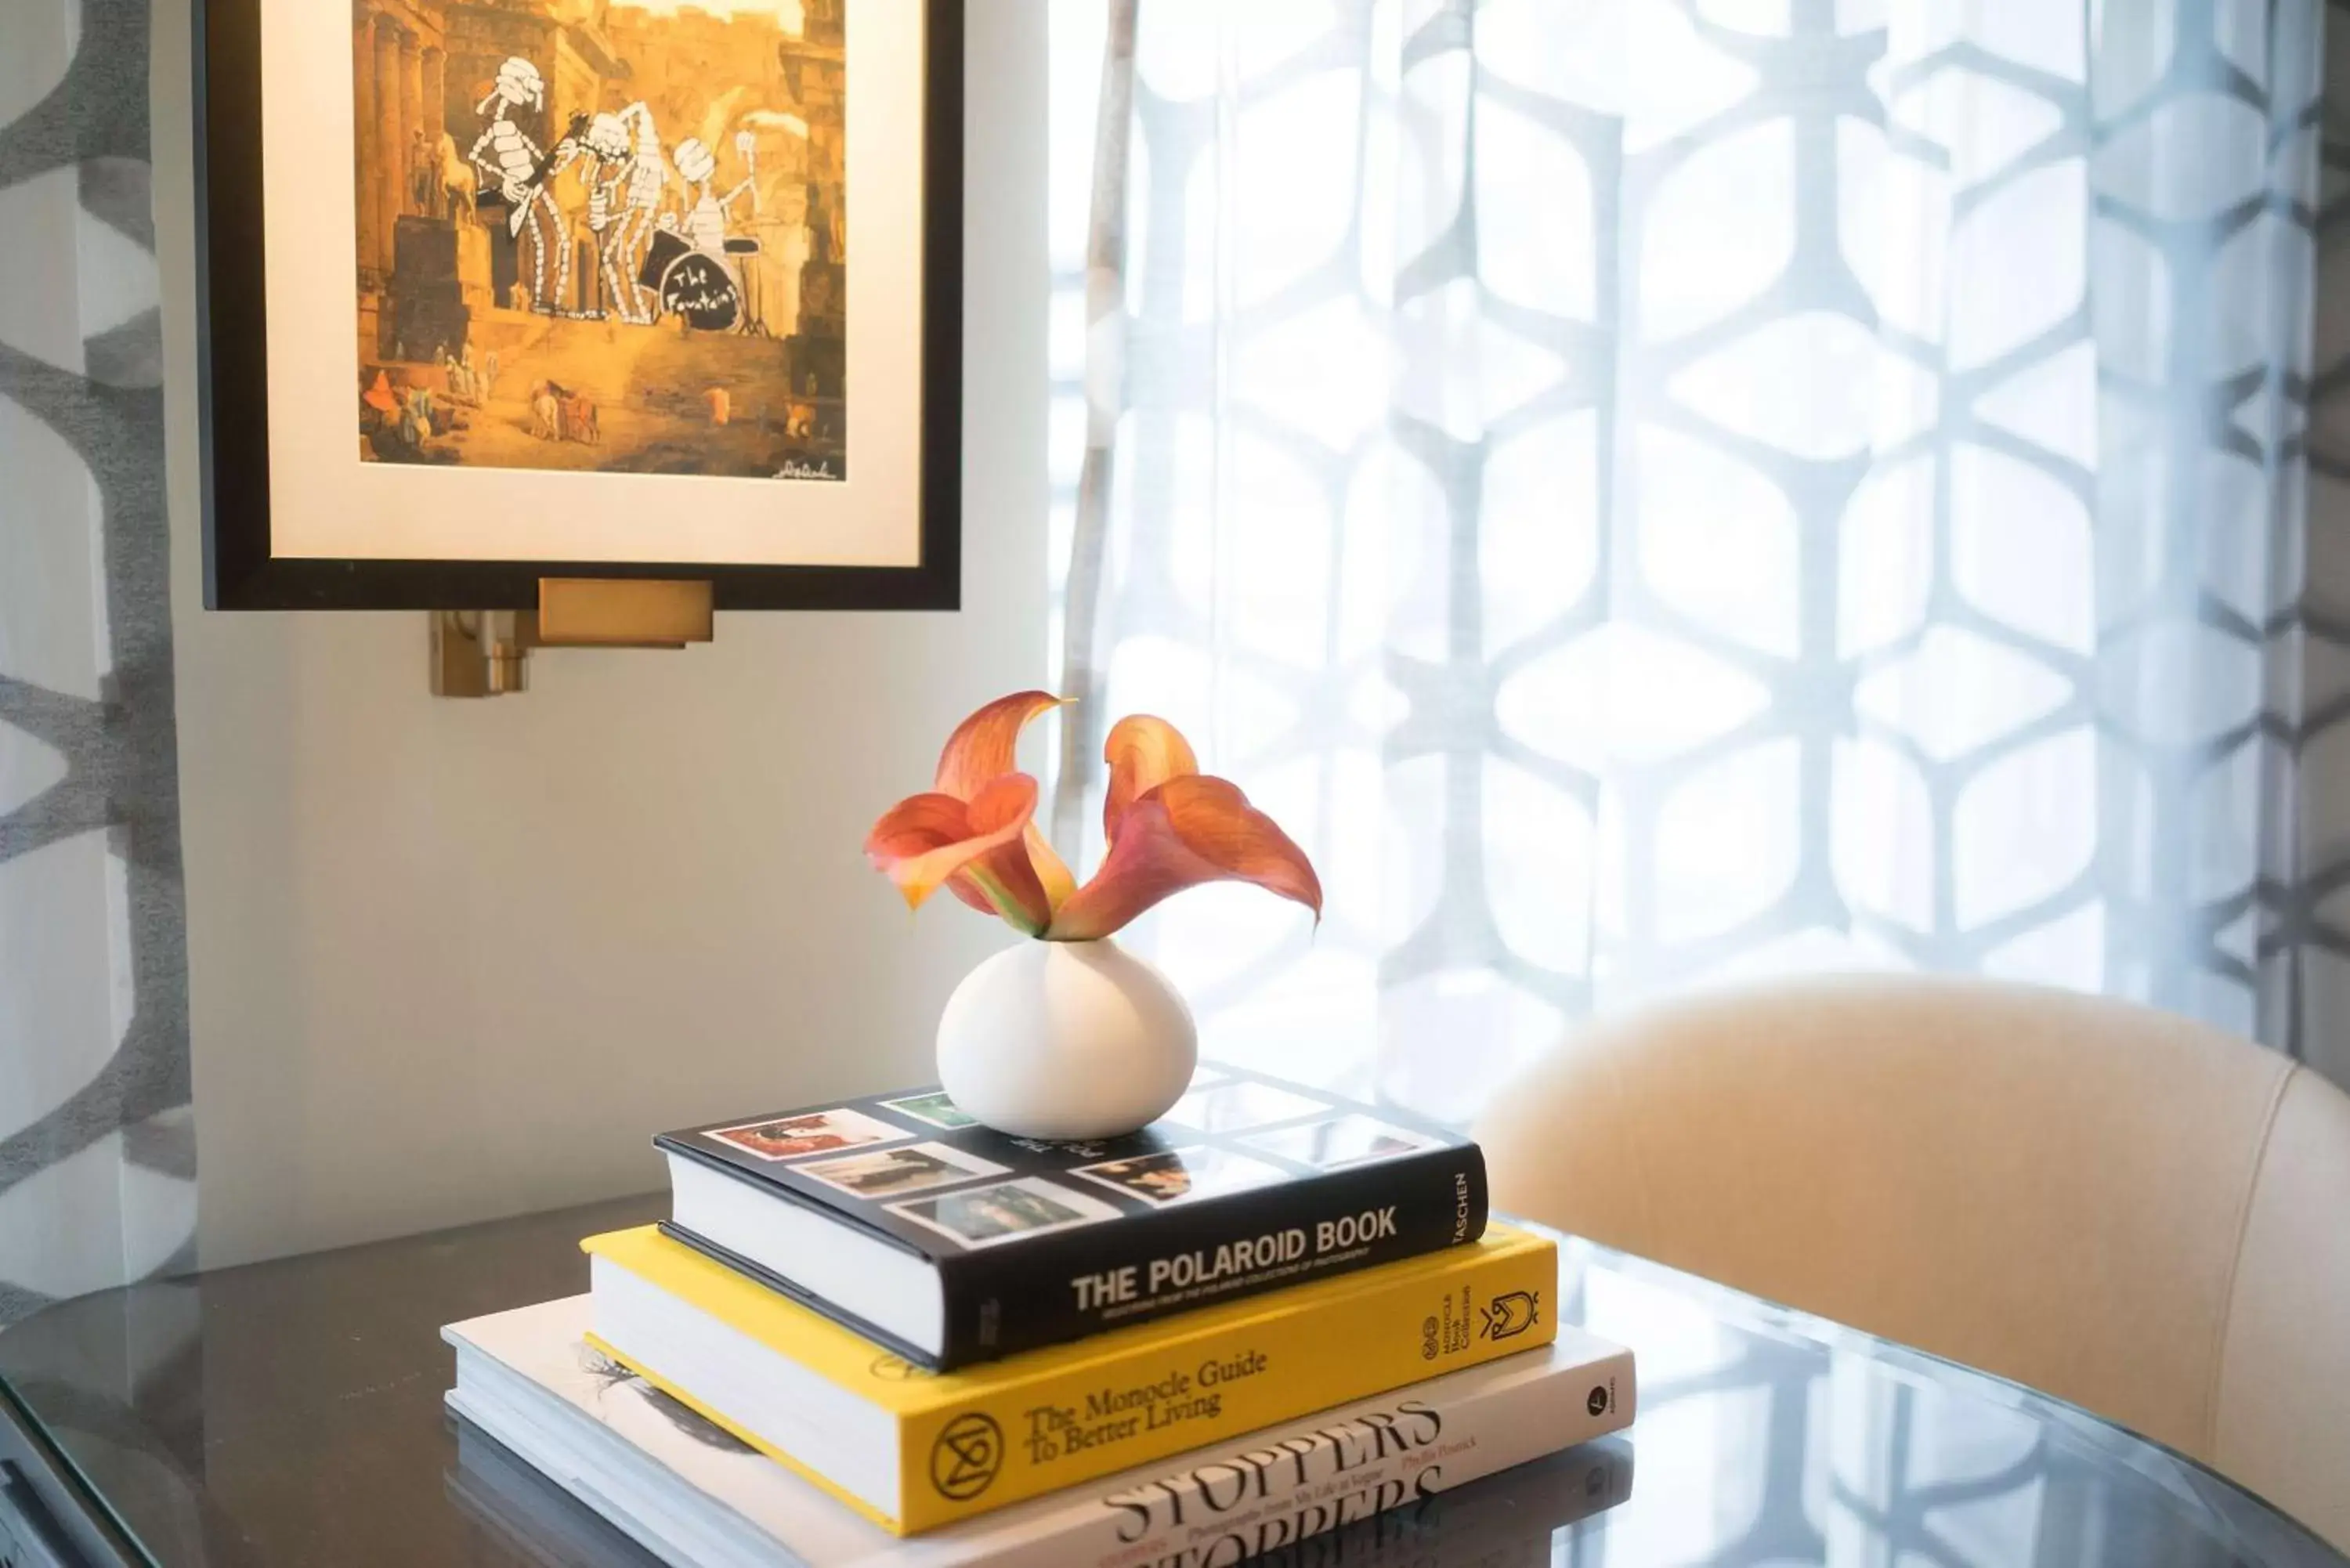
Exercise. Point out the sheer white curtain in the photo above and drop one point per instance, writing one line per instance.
(1657, 490)
(97, 1139)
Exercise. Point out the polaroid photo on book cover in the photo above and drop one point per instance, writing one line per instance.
(895, 1172)
(934, 1108)
(1172, 1175)
(807, 1133)
(1239, 1105)
(1341, 1141)
(989, 1216)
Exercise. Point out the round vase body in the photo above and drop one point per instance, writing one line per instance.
(1066, 1040)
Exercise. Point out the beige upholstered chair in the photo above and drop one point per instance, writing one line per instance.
(2123, 1208)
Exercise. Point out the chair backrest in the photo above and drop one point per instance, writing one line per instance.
(2120, 1207)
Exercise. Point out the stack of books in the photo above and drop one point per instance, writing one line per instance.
(876, 1332)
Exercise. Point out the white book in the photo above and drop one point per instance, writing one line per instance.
(694, 1497)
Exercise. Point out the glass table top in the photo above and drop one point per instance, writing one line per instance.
(289, 1412)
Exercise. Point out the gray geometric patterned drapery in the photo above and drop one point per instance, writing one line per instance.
(1651, 491)
(97, 1141)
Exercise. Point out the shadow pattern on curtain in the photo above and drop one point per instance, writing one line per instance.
(97, 1139)
(1660, 491)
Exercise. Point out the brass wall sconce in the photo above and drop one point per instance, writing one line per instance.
(487, 653)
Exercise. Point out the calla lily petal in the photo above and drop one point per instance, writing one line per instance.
(918, 824)
(930, 840)
(1143, 753)
(985, 746)
(1189, 830)
(1052, 871)
(915, 825)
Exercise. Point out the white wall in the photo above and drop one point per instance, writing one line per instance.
(459, 960)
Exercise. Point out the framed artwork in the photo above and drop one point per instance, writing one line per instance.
(499, 290)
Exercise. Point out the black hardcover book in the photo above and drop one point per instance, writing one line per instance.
(952, 1243)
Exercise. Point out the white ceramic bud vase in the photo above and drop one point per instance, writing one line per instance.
(1067, 1040)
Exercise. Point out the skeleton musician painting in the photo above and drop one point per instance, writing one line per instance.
(603, 235)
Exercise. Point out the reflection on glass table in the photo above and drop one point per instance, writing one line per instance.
(290, 1413)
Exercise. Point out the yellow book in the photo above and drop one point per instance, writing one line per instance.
(913, 1450)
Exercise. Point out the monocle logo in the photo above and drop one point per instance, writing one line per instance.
(964, 1459)
(1507, 1316)
(1597, 1403)
(897, 1369)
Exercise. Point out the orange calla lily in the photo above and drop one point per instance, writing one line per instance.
(1143, 753)
(1190, 830)
(925, 841)
(1168, 827)
(984, 748)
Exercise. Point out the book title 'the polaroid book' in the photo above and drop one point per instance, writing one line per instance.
(1347, 1234)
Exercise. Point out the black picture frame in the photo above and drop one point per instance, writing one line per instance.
(232, 338)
